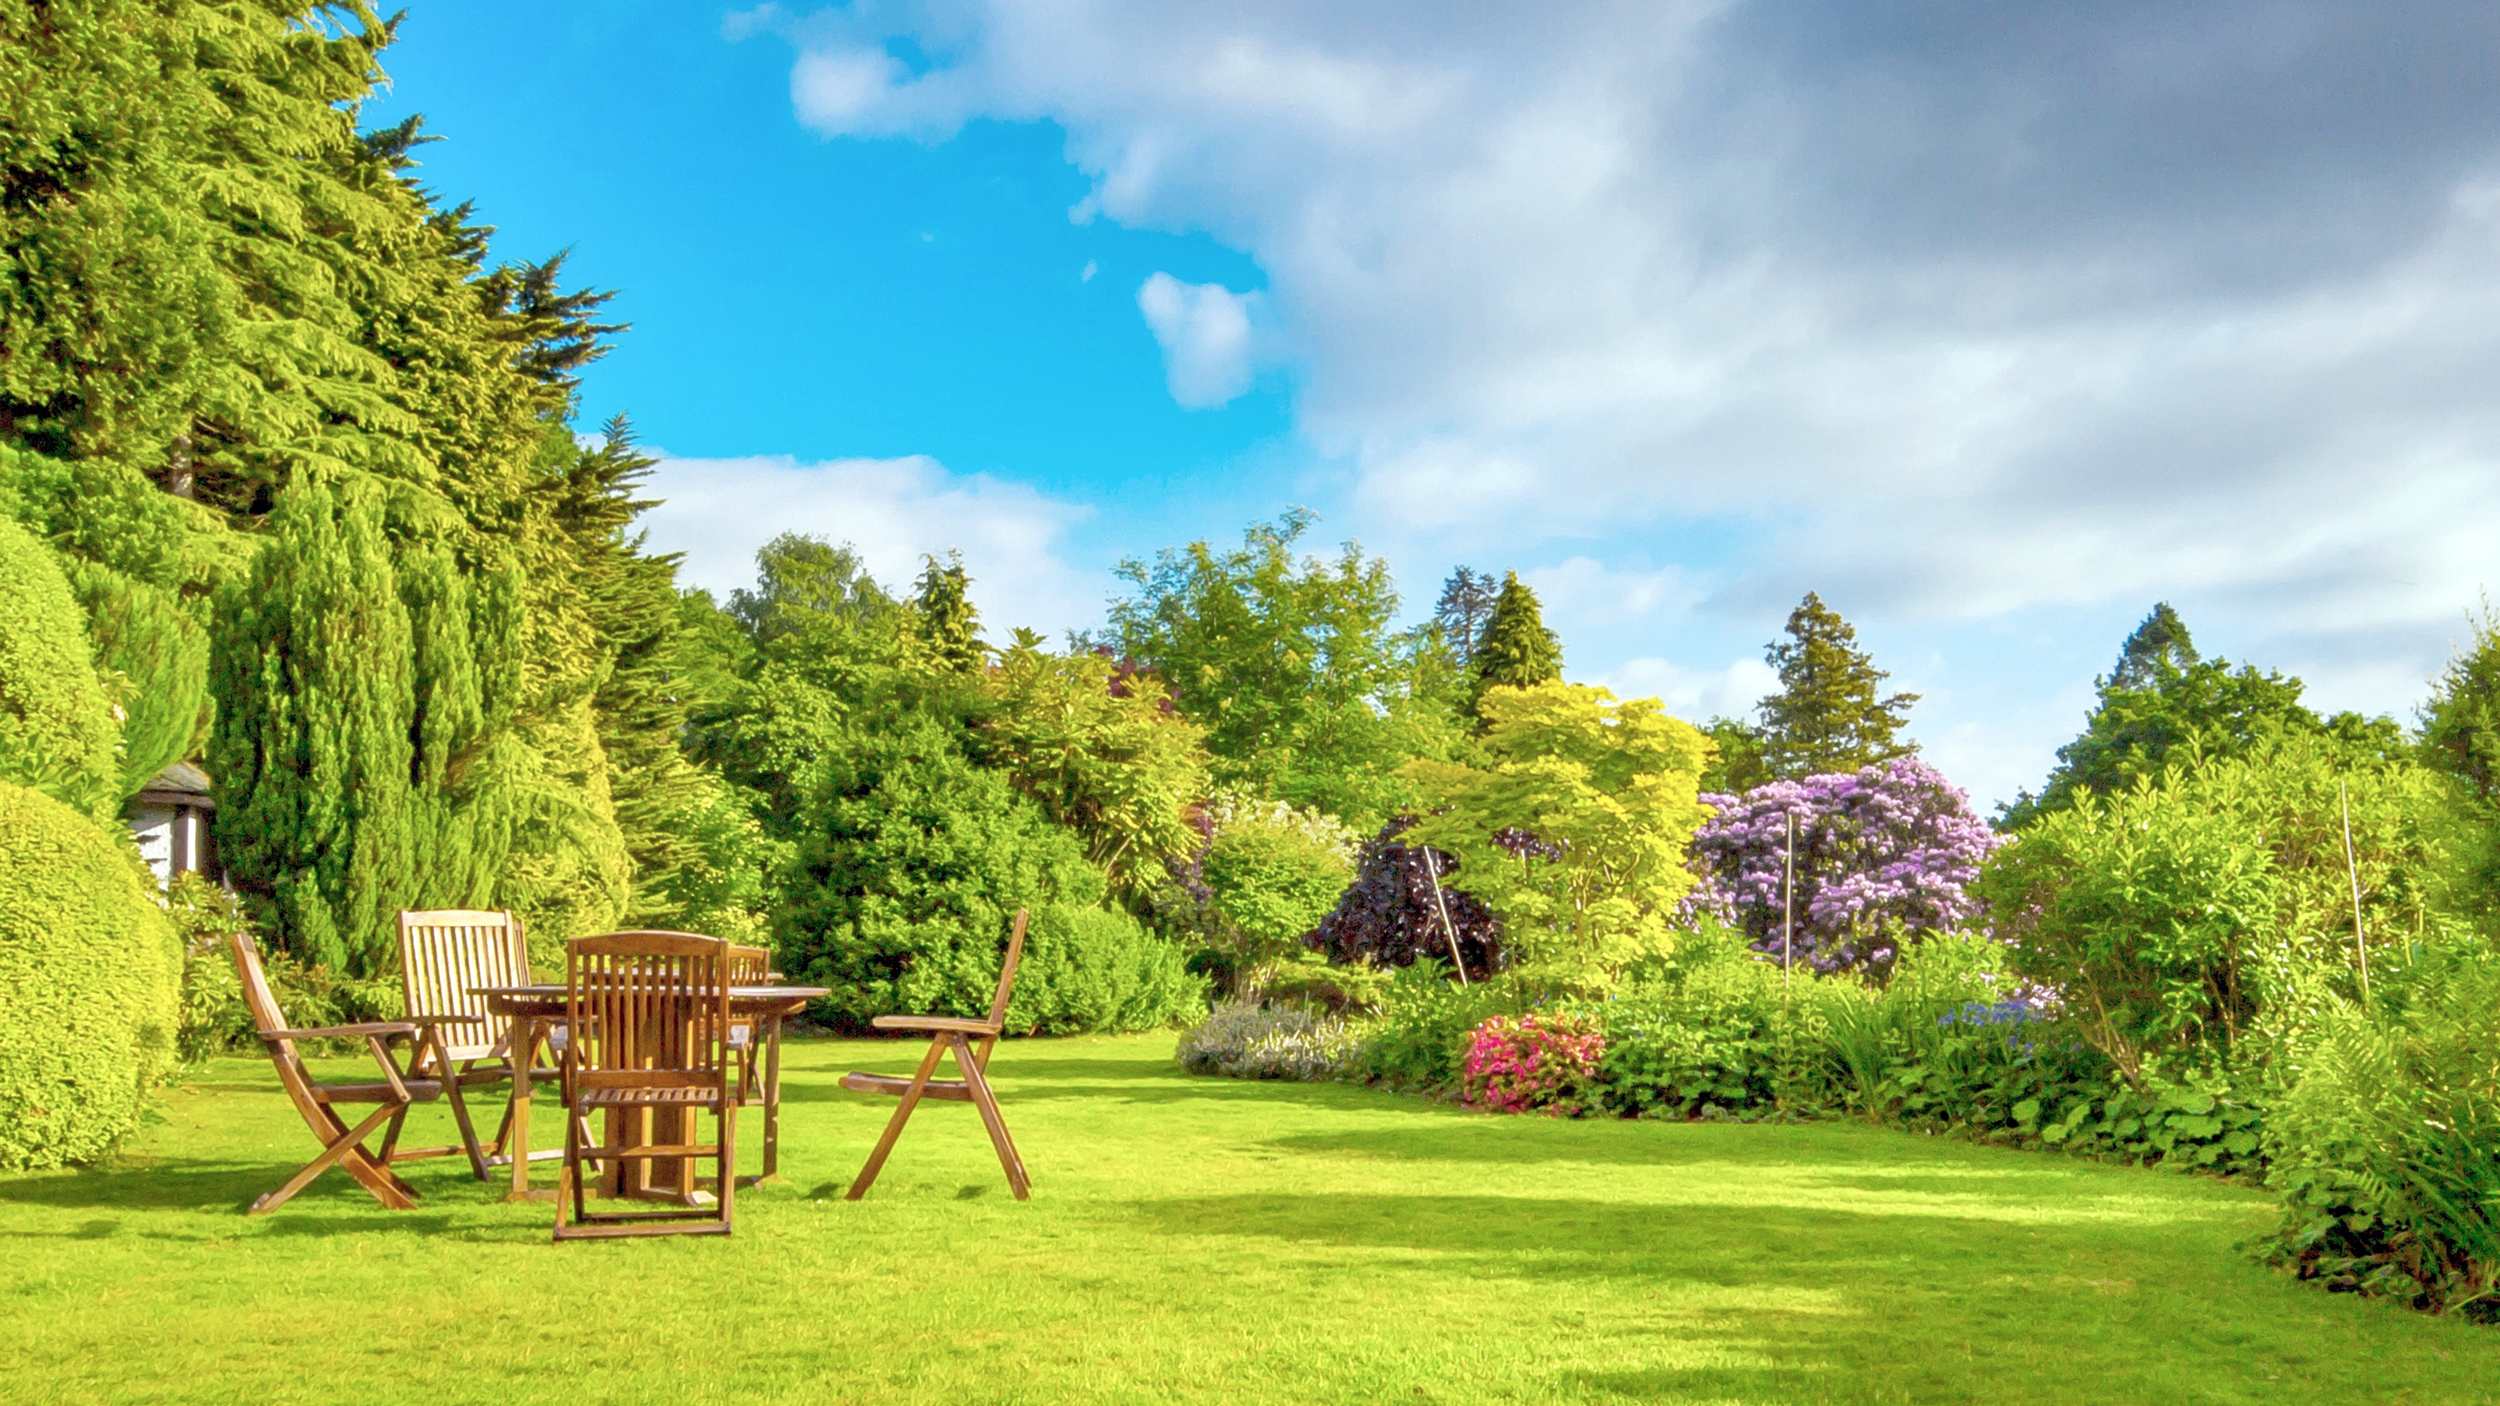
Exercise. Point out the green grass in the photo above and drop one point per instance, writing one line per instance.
(1195, 1240)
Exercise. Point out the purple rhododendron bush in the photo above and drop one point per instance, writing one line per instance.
(1882, 856)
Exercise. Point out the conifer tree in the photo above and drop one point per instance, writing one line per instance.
(1828, 715)
(2159, 645)
(1465, 608)
(948, 622)
(311, 750)
(2162, 703)
(1516, 651)
(57, 733)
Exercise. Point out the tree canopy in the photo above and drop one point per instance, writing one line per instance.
(1830, 713)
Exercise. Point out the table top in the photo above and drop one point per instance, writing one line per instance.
(552, 994)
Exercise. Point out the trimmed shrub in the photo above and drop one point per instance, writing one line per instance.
(57, 733)
(1249, 1040)
(1089, 969)
(90, 974)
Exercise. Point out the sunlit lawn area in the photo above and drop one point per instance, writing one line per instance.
(1195, 1240)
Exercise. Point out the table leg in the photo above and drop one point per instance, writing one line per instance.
(527, 1032)
(772, 1104)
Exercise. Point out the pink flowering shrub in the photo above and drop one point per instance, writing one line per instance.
(1542, 1062)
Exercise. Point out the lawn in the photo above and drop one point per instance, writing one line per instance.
(1195, 1240)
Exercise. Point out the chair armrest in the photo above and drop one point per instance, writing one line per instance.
(940, 1023)
(446, 1020)
(346, 1032)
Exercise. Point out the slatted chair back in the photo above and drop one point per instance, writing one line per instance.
(266, 1017)
(646, 1010)
(1007, 971)
(444, 954)
(750, 966)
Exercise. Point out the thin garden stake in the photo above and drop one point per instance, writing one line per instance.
(1788, 889)
(1432, 867)
(2352, 871)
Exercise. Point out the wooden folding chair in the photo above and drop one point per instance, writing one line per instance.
(341, 1145)
(948, 1034)
(648, 1016)
(444, 954)
(749, 966)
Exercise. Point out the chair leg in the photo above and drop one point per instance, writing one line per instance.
(569, 1181)
(728, 1190)
(390, 1145)
(902, 1115)
(977, 1083)
(344, 1150)
(460, 1115)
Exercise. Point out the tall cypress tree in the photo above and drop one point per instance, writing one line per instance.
(312, 745)
(1517, 650)
(1829, 714)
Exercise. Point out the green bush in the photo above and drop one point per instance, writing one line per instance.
(57, 733)
(1248, 1039)
(1704, 1038)
(1089, 969)
(907, 867)
(1420, 1040)
(2387, 1151)
(90, 975)
(214, 1018)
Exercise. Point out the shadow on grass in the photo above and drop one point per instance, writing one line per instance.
(190, 1185)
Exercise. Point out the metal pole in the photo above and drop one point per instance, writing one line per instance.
(2352, 871)
(1432, 867)
(1788, 890)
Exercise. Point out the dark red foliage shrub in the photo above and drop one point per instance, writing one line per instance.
(1389, 915)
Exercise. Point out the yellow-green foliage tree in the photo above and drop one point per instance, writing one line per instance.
(1574, 830)
(90, 974)
(1102, 753)
(57, 732)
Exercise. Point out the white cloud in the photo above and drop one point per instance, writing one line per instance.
(2054, 311)
(1204, 329)
(894, 512)
(1695, 695)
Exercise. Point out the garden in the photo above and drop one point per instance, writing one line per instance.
(1396, 1018)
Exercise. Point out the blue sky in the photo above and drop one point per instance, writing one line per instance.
(1994, 326)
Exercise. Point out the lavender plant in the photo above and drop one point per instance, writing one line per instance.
(1883, 855)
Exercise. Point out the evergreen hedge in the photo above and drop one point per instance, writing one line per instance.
(57, 732)
(90, 979)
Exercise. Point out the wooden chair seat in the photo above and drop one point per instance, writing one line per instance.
(414, 1090)
(649, 1098)
(896, 1085)
(950, 1035)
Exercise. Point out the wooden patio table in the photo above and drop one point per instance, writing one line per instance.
(537, 1010)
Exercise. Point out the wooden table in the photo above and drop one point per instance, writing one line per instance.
(537, 1011)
